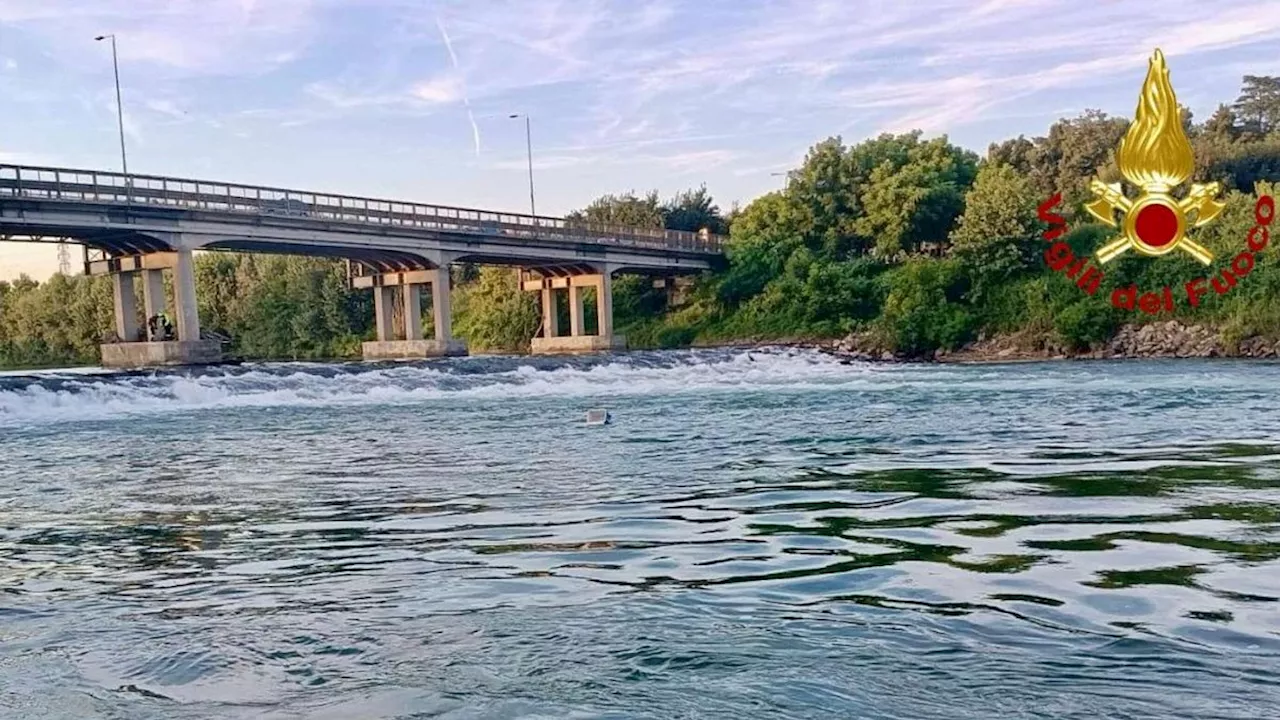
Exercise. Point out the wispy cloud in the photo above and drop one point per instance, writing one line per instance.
(443, 89)
(190, 37)
(694, 161)
(620, 93)
(167, 108)
(457, 86)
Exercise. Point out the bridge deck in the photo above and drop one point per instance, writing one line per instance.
(97, 188)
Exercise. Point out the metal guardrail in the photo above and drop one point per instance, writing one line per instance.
(92, 186)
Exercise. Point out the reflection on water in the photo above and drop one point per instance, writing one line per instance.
(783, 536)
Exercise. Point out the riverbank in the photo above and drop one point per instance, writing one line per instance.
(1169, 339)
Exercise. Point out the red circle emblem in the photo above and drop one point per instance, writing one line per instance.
(1156, 225)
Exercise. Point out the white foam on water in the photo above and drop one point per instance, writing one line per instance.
(91, 398)
(89, 370)
(62, 396)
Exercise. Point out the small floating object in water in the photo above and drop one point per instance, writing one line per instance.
(598, 416)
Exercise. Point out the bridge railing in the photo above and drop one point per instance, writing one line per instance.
(108, 188)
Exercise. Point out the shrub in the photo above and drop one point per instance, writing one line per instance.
(922, 311)
(1085, 323)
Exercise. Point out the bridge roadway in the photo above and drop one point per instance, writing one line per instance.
(145, 224)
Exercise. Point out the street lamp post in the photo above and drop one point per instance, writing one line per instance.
(528, 141)
(115, 65)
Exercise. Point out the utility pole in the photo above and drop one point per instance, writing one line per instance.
(528, 141)
(115, 66)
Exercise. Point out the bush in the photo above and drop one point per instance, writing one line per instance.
(922, 311)
(493, 314)
(1085, 323)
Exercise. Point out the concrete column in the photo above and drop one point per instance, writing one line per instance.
(550, 319)
(575, 311)
(126, 306)
(604, 304)
(441, 308)
(184, 291)
(153, 300)
(412, 312)
(383, 303)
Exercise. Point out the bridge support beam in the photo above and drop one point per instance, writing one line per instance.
(184, 296)
(126, 306)
(153, 300)
(412, 312)
(442, 306)
(576, 311)
(388, 346)
(577, 341)
(383, 307)
(550, 314)
(134, 346)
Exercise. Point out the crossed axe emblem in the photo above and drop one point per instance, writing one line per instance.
(1201, 200)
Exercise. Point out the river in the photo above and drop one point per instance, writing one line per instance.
(764, 534)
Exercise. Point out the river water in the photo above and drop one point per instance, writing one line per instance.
(765, 534)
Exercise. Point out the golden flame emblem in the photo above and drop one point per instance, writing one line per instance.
(1155, 156)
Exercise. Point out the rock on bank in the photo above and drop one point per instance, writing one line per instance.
(1168, 339)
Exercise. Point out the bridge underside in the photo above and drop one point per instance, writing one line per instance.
(405, 252)
(379, 260)
(152, 229)
(110, 240)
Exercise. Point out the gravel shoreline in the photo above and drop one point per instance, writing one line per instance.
(1168, 339)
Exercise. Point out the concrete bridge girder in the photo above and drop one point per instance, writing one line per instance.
(136, 346)
(549, 282)
(307, 238)
(410, 284)
(151, 241)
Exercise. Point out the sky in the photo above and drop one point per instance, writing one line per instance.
(410, 99)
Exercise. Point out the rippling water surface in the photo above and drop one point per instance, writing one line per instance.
(772, 534)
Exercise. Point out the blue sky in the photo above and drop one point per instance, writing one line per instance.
(410, 99)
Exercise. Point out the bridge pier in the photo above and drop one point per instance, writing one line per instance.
(134, 346)
(153, 301)
(388, 346)
(126, 306)
(551, 342)
(184, 296)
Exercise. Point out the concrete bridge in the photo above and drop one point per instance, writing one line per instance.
(144, 225)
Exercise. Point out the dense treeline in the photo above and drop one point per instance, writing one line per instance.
(924, 245)
(271, 306)
(915, 241)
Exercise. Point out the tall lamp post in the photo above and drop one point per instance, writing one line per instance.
(528, 140)
(115, 65)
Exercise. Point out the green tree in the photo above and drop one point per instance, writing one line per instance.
(494, 314)
(1258, 106)
(1019, 153)
(627, 209)
(763, 238)
(1072, 154)
(691, 211)
(917, 202)
(999, 234)
(924, 310)
(823, 199)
